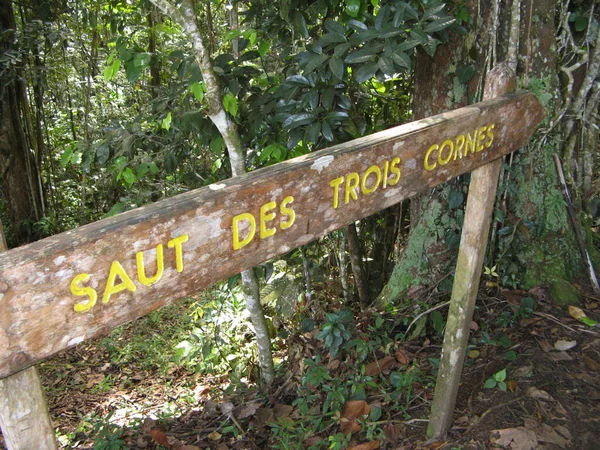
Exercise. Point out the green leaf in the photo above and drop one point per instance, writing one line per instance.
(361, 56)
(312, 135)
(511, 355)
(141, 60)
(336, 115)
(313, 62)
(396, 379)
(336, 65)
(132, 72)
(407, 45)
(326, 131)
(264, 48)
(65, 159)
(401, 59)
(386, 65)
(419, 35)
(366, 72)
(439, 24)
(353, 7)
(332, 38)
(465, 73)
(502, 386)
(128, 176)
(581, 23)
(432, 11)
(455, 199)
(102, 154)
(217, 145)
(230, 103)
(298, 80)
(166, 122)
(198, 91)
(357, 25)
(300, 24)
(375, 414)
(490, 383)
(296, 120)
(334, 27)
(500, 376)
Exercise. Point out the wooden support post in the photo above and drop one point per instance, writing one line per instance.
(478, 216)
(24, 416)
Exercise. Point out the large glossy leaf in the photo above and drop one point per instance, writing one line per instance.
(326, 131)
(297, 80)
(361, 56)
(336, 115)
(357, 25)
(314, 61)
(312, 133)
(439, 24)
(336, 65)
(432, 11)
(332, 38)
(407, 45)
(334, 27)
(366, 72)
(401, 59)
(386, 65)
(419, 35)
(353, 7)
(297, 120)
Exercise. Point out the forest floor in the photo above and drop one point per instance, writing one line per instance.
(545, 366)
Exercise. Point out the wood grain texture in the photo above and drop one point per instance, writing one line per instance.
(37, 315)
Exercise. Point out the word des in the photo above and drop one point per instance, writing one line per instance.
(79, 289)
(267, 225)
(366, 183)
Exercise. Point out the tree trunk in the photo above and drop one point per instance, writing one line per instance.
(19, 175)
(356, 261)
(540, 246)
(185, 16)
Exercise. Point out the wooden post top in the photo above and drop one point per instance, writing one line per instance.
(62, 290)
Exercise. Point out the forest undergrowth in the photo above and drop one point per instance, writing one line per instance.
(184, 377)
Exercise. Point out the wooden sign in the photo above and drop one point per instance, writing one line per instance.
(60, 291)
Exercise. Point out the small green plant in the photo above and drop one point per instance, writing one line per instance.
(498, 380)
(334, 332)
(107, 436)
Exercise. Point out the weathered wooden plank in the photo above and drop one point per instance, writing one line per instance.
(68, 288)
(24, 416)
(473, 244)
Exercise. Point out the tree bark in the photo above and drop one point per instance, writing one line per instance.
(185, 16)
(19, 174)
(356, 261)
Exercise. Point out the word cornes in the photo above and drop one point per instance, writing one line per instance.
(80, 284)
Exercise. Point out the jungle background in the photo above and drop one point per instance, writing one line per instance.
(106, 106)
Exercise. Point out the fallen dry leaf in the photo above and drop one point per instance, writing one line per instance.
(160, 437)
(333, 364)
(367, 446)
(353, 409)
(473, 354)
(94, 379)
(281, 410)
(512, 385)
(591, 363)
(545, 433)
(214, 436)
(561, 356)
(545, 345)
(562, 345)
(391, 432)
(247, 410)
(226, 408)
(519, 438)
(534, 392)
(402, 357)
(376, 367)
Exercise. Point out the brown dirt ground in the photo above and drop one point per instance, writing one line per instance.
(552, 401)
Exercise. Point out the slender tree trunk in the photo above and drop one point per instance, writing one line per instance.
(185, 16)
(356, 261)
